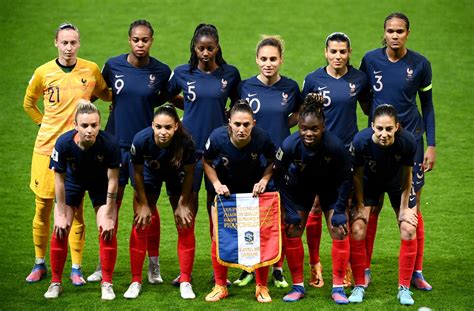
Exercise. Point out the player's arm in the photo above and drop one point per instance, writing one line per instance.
(359, 187)
(61, 226)
(293, 118)
(262, 184)
(32, 95)
(101, 89)
(427, 110)
(211, 174)
(143, 212)
(407, 214)
(184, 214)
(107, 224)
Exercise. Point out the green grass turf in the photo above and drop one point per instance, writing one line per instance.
(440, 30)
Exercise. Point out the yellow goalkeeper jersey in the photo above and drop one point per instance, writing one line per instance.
(61, 91)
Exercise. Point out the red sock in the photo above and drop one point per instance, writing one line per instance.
(220, 271)
(340, 258)
(357, 259)
(186, 251)
(138, 241)
(420, 236)
(261, 276)
(406, 261)
(153, 236)
(294, 256)
(313, 237)
(370, 238)
(58, 255)
(108, 257)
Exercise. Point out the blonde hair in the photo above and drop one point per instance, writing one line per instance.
(85, 107)
(271, 40)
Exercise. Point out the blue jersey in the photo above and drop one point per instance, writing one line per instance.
(205, 98)
(340, 99)
(397, 84)
(239, 169)
(85, 167)
(158, 161)
(382, 166)
(135, 94)
(324, 170)
(272, 104)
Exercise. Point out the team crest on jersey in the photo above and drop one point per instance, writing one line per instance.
(409, 74)
(154, 164)
(100, 158)
(84, 82)
(327, 159)
(152, 79)
(224, 85)
(254, 155)
(279, 154)
(284, 98)
(352, 89)
(398, 157)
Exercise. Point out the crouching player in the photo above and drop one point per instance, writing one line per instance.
(163, 152)
(314, 162)
(383, 162)
(85, 159)
(232, 162)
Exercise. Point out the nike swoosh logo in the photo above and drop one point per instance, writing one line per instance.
(377, 72)
(251, 95)
(118, 76)
(189, 83)
(322, 88)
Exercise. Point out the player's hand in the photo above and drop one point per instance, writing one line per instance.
(61, 227)
(106, 228)
(339, 222)
(142, 217)
(222, 190)
(183, 217)
(408, 216)
(429, 159)
(259, 188)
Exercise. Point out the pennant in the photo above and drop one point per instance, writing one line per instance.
(248, 231)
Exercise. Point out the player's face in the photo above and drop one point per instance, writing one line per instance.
(384, 128)
(206, 49)
(240, 125)
(87, 126)
(269, 61)
(140, 41)
(68, 45)
(311, 130)
(164, 128)
(337, 54)
(396, 33)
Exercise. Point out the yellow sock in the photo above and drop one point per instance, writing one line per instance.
(41, 225)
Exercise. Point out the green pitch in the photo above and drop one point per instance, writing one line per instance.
(440, 30)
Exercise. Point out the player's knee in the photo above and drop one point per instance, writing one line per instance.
(407, 231)
(358, 229)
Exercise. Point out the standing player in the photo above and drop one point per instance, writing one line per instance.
(138, 82)
(85, 159)
(61, 82)
(383, 162)
(314, 162)
(207, 81)
(275, 101)
(397, 75)
(233, 164)
(163, 152)
(342, 86)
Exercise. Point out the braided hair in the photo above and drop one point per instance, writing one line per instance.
(202, 30)
(313, 105)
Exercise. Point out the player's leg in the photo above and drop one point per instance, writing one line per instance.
(77, 239)
(313, 238)
(370, 236)
(42, 184)
(340, 257)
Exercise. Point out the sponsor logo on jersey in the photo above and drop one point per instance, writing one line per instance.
(284, 98)
(251, 95)
(377, 72)
(190, 82)
(118, 76)
(154, 164)
(322, 88)
(224, 85)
